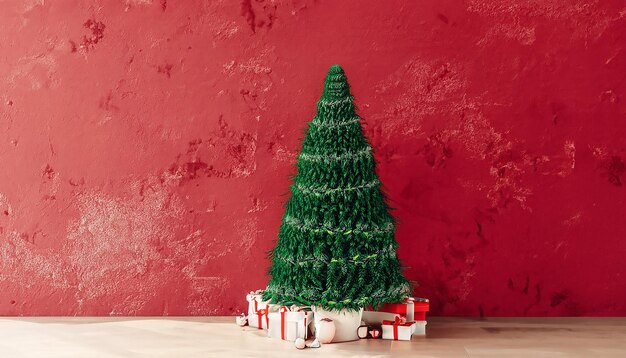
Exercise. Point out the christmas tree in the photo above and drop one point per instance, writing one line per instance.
(336, 246)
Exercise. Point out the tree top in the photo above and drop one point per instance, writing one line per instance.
(336, 84)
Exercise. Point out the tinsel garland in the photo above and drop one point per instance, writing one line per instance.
(336, 157)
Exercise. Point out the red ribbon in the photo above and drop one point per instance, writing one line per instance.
(305, 326)
(260, 313)
(283, 309)
(398, 321)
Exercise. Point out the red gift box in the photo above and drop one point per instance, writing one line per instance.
(414, 309)
(420, 308)
(398, 329)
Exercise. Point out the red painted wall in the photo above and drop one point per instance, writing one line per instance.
(146, 148)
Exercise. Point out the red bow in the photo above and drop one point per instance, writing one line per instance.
(399, 321)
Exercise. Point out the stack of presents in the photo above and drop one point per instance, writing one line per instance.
(396, 321)
(393, 321)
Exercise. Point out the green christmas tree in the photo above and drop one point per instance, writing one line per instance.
(336, 246)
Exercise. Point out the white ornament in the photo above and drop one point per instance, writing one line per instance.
(241, 320)
(300, 344)
(325, 330)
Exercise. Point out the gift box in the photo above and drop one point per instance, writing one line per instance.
(255, 303)
(290, 323)
(398, 329)
(414, 309)
(260, 319)
(419, 328)
(420, 307)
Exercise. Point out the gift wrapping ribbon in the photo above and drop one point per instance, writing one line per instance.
(395, 332)
(305, 326)
(254, 298)
(399, 321)
(260, 313)
(283, 310)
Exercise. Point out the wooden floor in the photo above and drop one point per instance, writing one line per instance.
(219, 336)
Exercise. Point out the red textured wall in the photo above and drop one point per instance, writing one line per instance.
(146, 148)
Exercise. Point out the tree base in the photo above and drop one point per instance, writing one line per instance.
(346, 322)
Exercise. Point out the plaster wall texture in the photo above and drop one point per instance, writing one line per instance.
(146, 148)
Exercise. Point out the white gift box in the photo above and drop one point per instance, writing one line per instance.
(260, 319)
(289, 323)
(255, 302)
(419, 328)
(398, 331)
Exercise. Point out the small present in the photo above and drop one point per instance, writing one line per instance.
(290, 323)
(398, 330)
(411, 308)
(255, 303)
(260, 319)
(242, 320)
